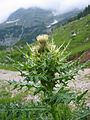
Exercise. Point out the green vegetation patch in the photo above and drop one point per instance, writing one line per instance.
(78, 32)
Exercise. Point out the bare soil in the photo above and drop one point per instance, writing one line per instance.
(81, 82)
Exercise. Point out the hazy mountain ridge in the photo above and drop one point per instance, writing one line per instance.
(26, 24)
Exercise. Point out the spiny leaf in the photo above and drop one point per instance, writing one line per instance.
(81, 96)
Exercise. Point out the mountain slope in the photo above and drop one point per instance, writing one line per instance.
(26, 24)
(78, 32)
(31, 17)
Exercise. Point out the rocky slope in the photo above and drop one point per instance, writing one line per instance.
(26, 24)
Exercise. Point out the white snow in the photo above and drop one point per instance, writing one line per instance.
(12, 21)
(53, 23)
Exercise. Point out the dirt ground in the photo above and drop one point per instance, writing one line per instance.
(10, 75)
(81, 82)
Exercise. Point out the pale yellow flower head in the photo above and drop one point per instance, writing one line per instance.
(42, 38)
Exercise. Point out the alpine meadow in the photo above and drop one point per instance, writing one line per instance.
(45, 60)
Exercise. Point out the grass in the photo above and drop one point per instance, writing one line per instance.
(7, 67)
(13, 53)
(8, 94)
(80, 42)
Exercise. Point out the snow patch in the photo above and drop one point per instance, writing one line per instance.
(53, 23)
(12, 21)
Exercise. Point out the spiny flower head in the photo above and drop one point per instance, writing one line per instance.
(42, 39)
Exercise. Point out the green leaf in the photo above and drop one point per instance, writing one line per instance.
(81, 96)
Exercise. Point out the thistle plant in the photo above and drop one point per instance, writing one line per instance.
(48, 72)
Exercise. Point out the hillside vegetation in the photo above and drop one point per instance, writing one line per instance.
(78, 32)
